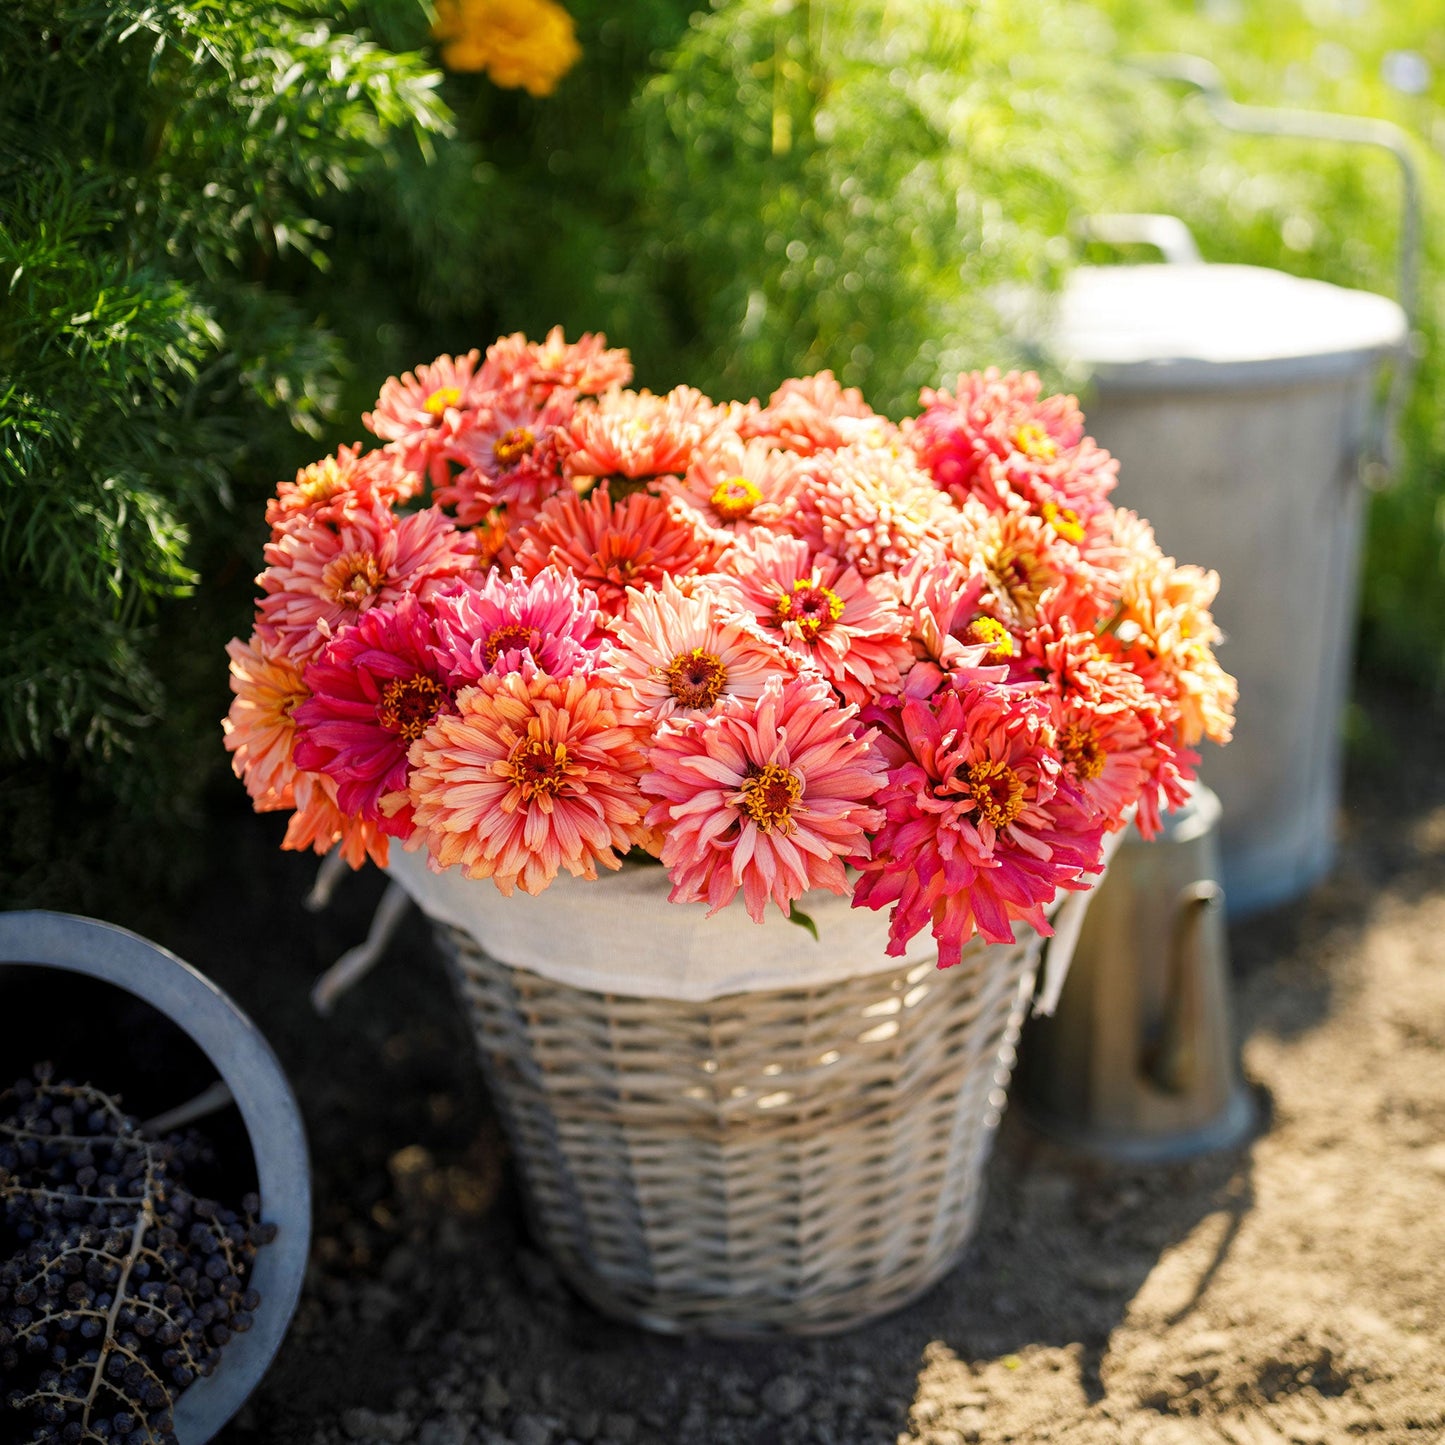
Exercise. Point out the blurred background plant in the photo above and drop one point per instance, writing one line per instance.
(224, 224)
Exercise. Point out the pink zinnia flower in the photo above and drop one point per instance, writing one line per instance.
(545, 623)
(532, 774)
(322, 575)
(871, 507)
(375, 688)
(823, 611)
(610, 547)
(981, 827)
(542, 369)
(637, 436)
(422, 411)
(676, 654)
(998, 439)
(260, 728)
(809, 414)
(769, 798)
(328, 489)
(947, 632)
(511, 456)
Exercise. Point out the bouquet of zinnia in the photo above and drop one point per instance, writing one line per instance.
(551, 621)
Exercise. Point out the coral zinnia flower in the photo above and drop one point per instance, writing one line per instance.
(808, 414)
(736, 487)
(1165, 631)
(422, 411)
(679, 654)
(871, 507)
(998, 440)
(822, 610)
(947, 633)
(260, 728)
(610, 547)
(769, 797)
(521, 44)
(545, 623)
(532, 774)
(542, 369)
(329, 488)
(322, 574)
(320, 825)
(982, 827)
(375, 688)
(637, 436)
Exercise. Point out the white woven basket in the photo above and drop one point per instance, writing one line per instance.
(796, 1159)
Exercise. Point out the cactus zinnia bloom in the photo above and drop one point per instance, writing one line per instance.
(981, 825)
(770, 798)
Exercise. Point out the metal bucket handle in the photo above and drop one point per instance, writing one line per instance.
(1378, 453)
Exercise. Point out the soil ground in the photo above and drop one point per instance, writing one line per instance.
(1288, 1290)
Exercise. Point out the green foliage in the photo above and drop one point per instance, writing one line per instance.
(160, 164)
(854, 185)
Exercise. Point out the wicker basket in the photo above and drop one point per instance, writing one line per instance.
(786, 1160)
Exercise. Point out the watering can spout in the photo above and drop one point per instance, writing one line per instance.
(1139, 1061)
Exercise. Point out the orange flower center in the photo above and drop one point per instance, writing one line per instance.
(696, 678)
(993, 632)
(508, 637)
(1035, 443)
(769, 796)
(735, 498)
(811, 608)
(408, 705)
(352, 577)
(1079, 748)
(442, 398)
(998, 791)
(538, 768)
(512, 446)
(1064, 520)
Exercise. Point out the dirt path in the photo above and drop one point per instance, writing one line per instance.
(1289, 1291)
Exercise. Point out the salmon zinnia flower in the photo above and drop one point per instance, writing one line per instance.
(635, 436)
(328, 489)
(769, 798)
(543, 369)
(809, 414)
(260, 727)
(532, 774)
(422, 411)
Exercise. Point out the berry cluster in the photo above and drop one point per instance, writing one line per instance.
(118, 1286)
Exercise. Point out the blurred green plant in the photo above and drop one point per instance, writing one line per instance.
(160, 162)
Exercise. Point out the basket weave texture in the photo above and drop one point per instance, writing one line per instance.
(793, 1160)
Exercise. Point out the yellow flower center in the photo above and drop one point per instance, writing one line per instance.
(1080, 749)
(537, 768)
(509, 636)
(442, 398)
(408, 705)
(735, 498)
(1035, 443)
(993, 632)
(352, 577)
(998, 791)
(321, 481)
(1064, 520)
(696, 678)
(769, 796)
(811, 608)
(512, 446)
